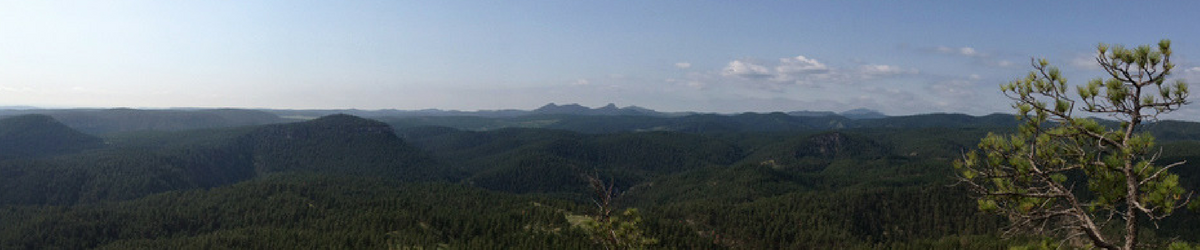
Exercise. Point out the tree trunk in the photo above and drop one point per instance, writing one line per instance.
(1131, 196)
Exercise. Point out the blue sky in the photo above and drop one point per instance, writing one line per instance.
(899, 57)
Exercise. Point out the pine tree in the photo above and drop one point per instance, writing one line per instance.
(1036, 176)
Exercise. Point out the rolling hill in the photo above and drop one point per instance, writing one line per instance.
(40, 135)
(133, 168)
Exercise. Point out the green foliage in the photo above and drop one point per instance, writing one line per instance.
(1183, 246)
(552, 161)
(301, 211)
(1026, 175)
(1044, 244)
(623, 231)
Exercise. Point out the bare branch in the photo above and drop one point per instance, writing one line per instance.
(1160, 171)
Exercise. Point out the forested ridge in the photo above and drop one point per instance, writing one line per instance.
(750, 181)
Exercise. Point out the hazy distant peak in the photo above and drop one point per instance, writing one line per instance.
(563, 109)
(610, 109)
(635, 107)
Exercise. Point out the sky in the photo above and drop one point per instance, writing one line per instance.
(897, 57)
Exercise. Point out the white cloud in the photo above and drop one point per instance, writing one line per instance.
(746, 70)
(801, 70)
(808, 72)
(888, 87)
(878, 69)
(792, 69)
(581, 82)
(1192, 70)
(963, 51)
(967, 51)
(800, 64)
(683, 65)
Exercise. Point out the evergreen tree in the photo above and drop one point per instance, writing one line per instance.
(1031, 176)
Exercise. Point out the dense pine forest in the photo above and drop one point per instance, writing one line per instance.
(247, 179)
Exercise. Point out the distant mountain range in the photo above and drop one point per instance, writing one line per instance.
(568, 109)
(572, 117)
(575, 117)
(305, 114)
(548, 109)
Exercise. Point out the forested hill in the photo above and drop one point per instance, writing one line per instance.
(136, 165)
(340, 144)
(750, 181)
(37, 135)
